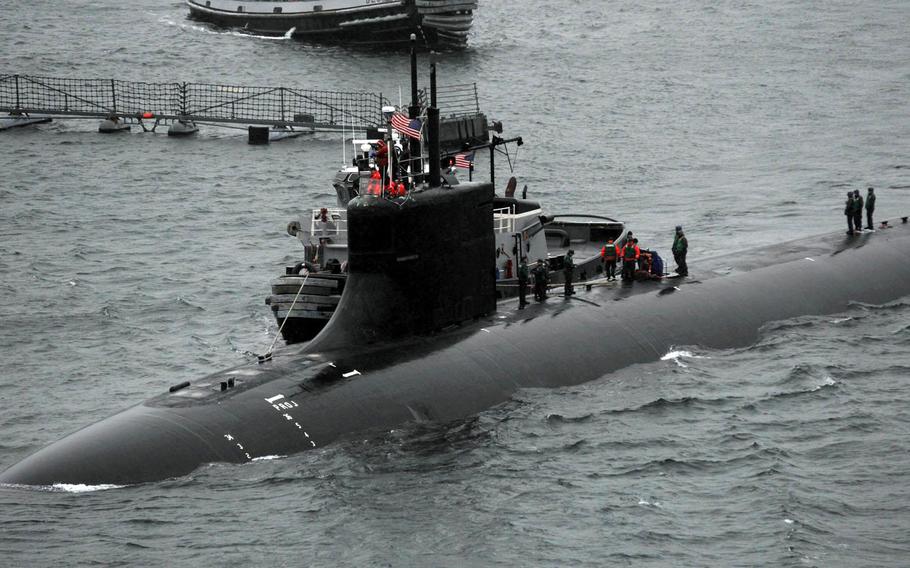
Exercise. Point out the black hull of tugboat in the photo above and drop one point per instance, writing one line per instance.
(303, 304)
(390, 27)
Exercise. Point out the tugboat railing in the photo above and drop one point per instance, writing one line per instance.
(336, 226)
(504, 220)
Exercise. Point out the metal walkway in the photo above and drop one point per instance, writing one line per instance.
(197, 102)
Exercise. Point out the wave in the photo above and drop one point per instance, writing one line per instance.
(803, 372)
(826, 383)
(181, 301)
(662, 404)
(64, 487)
(554, 418)
(268, 458)
(677, 355)
(758, 455)
(229, 32)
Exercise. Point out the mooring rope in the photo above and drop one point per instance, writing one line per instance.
(268, 354)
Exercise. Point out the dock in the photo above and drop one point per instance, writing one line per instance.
(26, 99)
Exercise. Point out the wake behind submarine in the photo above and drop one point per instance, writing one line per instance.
(417, 337)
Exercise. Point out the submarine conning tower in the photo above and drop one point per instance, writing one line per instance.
(415, 265)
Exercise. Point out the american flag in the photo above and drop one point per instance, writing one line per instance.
(464, 160)
(408, 126)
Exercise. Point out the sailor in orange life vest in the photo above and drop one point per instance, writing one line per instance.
(382, 154)
(630, 256)
(374, 187)
(609, 253)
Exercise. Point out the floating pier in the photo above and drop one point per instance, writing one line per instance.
(28, 99)
(267, 114)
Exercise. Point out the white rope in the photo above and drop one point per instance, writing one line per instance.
(287, 317)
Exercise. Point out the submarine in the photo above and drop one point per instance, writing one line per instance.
(406, 345)
(418, 335)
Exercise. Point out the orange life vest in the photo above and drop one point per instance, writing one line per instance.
(609, 252)
(631, 251)
(375, 185)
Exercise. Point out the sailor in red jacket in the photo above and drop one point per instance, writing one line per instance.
(630, 255)
(609, 253)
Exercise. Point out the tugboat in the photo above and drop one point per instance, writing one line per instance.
(438, 23)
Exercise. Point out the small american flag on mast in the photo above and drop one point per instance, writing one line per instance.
(464, 159)
(410, 127)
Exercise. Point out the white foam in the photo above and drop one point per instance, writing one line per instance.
(203, 29)
(826, 383)
(268, 458)
(82, 488)
(675, 355)
(789, 521)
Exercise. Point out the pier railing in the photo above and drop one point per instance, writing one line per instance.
(199, 102)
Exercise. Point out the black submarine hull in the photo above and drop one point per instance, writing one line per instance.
(348, 381)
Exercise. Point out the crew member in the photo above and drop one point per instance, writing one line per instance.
(610, 253)
(848, 211)
(374, 186)
(626, 239)
(857, 211)
(870, 207)
(644, 266)
(523, 275)
(382, 154)
(540, 281)
(568, 269)
(325, 226)
(630, 255)
(680, 248)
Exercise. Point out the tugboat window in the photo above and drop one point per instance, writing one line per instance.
(317, 8)
(277, 10)
(208, 3)
(240, 8)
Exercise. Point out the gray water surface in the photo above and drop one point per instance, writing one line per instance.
(131, 263)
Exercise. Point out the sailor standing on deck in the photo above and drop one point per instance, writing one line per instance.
(848, 211)
(870, 207)
(610, 253)
(568, 269)
(680, 248)
(523, 275)
(540, 281)
(857, 211)
(630, 256)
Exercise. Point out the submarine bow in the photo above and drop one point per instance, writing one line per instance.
(407, 344)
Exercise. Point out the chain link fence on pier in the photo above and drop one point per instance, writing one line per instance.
(193, 101)
(280, 105)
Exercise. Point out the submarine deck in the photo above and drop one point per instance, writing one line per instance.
(809, 249)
